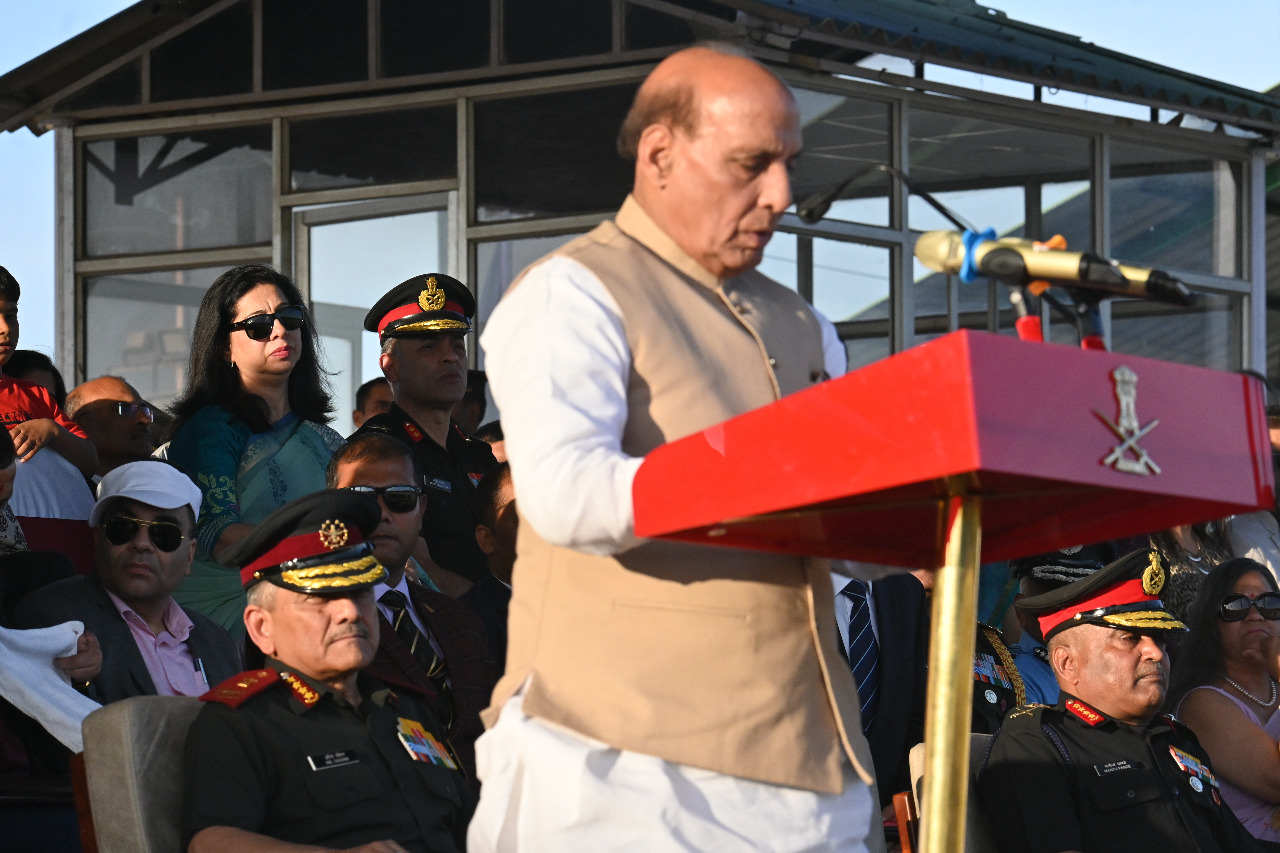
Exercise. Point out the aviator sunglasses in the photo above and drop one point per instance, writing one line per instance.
(121, 529)
(259, 326)
(397, 498)
(1235, 607)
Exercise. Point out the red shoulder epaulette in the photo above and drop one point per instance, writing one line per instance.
(1084, 712)
(238, 688)
(413, 432)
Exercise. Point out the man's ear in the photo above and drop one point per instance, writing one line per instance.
(654, 154)
(387, 362)
(257, 621)
(1065, 663)
(484, 538)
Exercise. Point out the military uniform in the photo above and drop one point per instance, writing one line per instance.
(997, 686)
(276, 753)
(449, 478)
(1071, 778)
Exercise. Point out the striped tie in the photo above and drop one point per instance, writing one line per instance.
(420, 648)
(864, 654)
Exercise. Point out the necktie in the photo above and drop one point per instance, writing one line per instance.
(864, 654)
(420, 648)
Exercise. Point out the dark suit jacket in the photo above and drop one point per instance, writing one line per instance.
(124, 673)
(472, 670)
(902, 630)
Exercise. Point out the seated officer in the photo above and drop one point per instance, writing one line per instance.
(309, 751)
(1102, 771)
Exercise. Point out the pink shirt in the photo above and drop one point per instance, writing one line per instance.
(168, 660)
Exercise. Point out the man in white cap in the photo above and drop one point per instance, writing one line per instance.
(143, 525)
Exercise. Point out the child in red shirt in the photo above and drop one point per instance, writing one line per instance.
(33, 418)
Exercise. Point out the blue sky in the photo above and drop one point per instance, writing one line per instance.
(1234, 41)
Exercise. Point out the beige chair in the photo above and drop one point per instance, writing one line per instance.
(977, 833)
(133, 765)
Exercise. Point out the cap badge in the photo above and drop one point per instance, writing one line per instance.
(1153, 576)
(333, 534)
(1127, 456)
(433, 298)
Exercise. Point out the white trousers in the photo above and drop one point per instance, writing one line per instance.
(549, 790)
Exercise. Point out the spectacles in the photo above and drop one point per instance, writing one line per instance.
(397, 498)
(128, 410)
(259, 326)
(165, 535)
(1235, 607)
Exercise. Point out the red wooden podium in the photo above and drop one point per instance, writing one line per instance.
(967, 449)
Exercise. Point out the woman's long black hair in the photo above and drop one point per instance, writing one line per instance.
(212, 379)
(1200, 653)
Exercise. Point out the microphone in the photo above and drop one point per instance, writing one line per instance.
(1020, 262)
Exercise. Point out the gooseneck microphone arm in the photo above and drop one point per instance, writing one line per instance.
(813, 208)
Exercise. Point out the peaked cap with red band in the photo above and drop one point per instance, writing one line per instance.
(423, 305)
(1124, 594)
(316, 544)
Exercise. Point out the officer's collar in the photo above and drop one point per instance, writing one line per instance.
(307, 692)
(1093, 718)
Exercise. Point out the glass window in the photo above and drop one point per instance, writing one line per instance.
(186, 190)
(780, 257)
(865, 344)
(352, 265)
(551, 155)
(314, 43)
(980, 169)
(373, 148)
(118, 88)
(534, 30)
(842, 138)
(500, 261)
(646, 28)
(403, 22)
(210, 59)
(141, 325)
(1206, 336)
(1174, 210)
(850, 280)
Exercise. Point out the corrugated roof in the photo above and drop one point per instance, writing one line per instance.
(966, 34)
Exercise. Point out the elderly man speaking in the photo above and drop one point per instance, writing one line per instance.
(659, 696)
(1103, 770)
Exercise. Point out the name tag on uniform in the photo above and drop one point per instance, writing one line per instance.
(330, 760)
(1112, 767)
(440, 484)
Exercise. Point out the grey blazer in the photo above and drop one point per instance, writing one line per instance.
(124, 673)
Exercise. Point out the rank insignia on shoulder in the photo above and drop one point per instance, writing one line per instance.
(303, 693)
(235, 690)
(422, 745)
(1041, 653)
(413, 432)
(1025, 710)
(1084, 712)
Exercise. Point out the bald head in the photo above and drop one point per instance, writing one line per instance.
(712, 134)
(119, 437)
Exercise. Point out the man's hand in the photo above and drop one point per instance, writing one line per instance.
(86, 663)
(30, 436)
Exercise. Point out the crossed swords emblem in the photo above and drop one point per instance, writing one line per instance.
(1127, 455)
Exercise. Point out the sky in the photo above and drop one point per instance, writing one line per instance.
(1235, 41)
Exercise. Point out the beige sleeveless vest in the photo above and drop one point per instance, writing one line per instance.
(710, 657)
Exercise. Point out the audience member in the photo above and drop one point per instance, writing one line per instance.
(1102, 771)
(884, 638)
(372, 398)
(422, 324)
(309, 750)
(1035, 576)
(496, 532)
(117, 420)
(1224, 687)
(491, 433)
(1189, 552)
(250, 426)
(431, 643)
(143, 524)
(469, 411)
(37, 368)
(697, 691)
(1256, 535)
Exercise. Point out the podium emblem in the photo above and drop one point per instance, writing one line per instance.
(1128, 455)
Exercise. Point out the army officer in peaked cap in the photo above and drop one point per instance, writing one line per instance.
(307, 751)
(1103, 770)
(422, 325)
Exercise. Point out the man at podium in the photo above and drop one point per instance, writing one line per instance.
(662, 696)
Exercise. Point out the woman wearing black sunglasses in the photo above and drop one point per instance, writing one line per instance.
(1225, 688)
(250, 426)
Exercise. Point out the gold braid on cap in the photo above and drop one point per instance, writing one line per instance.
(1143, 619)
(430, 326)
(336, 575)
